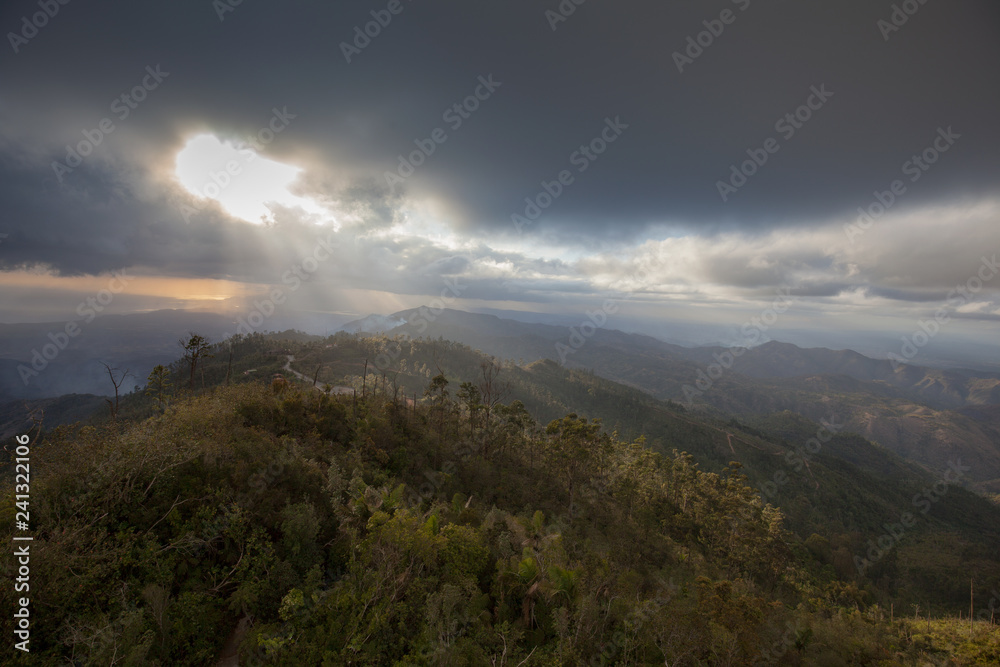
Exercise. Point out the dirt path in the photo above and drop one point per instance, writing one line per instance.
(308, 380)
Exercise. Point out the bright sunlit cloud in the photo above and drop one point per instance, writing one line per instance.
(247, 185)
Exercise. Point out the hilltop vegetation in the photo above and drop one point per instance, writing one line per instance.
(844, 492)
(919, 413)
(296, 526)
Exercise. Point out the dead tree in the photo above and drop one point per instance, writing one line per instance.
(493, 392)
(117, 385)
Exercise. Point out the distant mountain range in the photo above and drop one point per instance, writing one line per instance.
(927, 415)
(773, 360)
(374, 324)
(921, 413)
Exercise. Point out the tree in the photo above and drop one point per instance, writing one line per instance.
(574, 443)
(195, 350)
(158, 384)
(493, 392)
(516, 426)
(438, 391)
(117, 383)
(472, 400)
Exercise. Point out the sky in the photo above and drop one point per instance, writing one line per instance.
(690, 162)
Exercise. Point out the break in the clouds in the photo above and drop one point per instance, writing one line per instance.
(542, 155)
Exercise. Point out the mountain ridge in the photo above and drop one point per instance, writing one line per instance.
(873, 398)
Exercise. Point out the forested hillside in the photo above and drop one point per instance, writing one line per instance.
(455, 510)
(914, 411)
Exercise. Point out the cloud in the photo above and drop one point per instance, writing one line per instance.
(644, 219)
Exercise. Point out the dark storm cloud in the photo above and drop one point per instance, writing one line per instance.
(557, 88)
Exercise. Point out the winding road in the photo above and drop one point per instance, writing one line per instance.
(308, 380)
